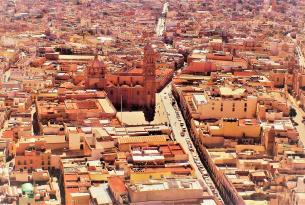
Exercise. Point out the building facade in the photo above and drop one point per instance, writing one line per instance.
(127, 89)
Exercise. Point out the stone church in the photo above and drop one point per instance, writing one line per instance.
(132, 91)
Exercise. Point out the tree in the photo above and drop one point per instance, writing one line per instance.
(292, 112)
(149, 113)
(35, 124)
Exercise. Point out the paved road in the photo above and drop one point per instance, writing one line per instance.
(160, 28)
(299, 53)
(177, 123)
(291, 101)
(299, 118)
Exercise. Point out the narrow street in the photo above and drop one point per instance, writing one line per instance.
(181, 135)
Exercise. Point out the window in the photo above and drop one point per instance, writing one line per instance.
(19, 162)
(31, 161)
(24, 162)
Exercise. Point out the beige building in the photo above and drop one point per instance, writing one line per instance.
(229, 103)
(175, 190)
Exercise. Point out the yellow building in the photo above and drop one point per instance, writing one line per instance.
(138, 175)
(232, 127)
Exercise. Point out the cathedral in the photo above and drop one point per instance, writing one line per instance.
(129, 90)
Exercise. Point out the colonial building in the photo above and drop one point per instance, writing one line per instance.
(132, 90)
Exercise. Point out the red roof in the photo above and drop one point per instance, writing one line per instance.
(244, 73)
(116, 184)
(8, 134)
(200, 67)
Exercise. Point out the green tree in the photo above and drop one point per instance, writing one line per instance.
(149, 113)
(292, 112)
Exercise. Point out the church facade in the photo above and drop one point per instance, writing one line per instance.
(132, 91)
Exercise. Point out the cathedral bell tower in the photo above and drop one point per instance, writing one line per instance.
(95, 74)
(149, 72)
